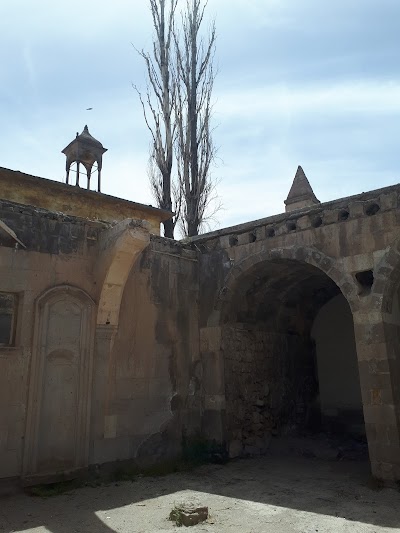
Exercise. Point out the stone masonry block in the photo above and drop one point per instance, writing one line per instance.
(369, 333)
(358, 263)
(388, 201)
(224, 241)
(378, 255)
(304, 222)
(243, 238)
(384, 453)
(371, 352)
(367, 318)
(330, 216)
(380, 414)
(356, 209)
(281, 229)
(386, 434)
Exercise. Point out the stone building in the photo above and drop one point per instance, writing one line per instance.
(115, 342)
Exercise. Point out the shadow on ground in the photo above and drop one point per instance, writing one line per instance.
(339, 489)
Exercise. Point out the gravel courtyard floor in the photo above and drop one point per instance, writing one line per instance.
(271, 494)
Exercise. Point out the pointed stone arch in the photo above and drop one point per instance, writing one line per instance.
(308, 255)
(211, 336)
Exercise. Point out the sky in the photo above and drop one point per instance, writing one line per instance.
(300, 82)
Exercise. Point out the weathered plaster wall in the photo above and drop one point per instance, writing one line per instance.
(155, 379)
(141, 389)
(75, 201)
(59, 251)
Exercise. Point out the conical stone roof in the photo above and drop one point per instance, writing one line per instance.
(301, 193)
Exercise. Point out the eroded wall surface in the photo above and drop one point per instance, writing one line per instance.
(101, 368)
(154, 383)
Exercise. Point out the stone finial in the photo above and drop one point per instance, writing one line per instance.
(301, 193)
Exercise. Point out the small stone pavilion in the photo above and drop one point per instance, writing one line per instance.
(116, 343)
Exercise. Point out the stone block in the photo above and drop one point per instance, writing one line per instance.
(382, 470)
(371, 352)
(189, 512)
(224, 241)
(243, 238)
(388, 201)
(356, 209)
(380, 414)
(303, 222)
(384, 453)
(358, 263)
(281, 229)
(330, 216)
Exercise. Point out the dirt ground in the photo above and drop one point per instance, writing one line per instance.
(271, 494)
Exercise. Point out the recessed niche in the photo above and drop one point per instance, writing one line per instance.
(372, 209)
(233, 240)
(291, 226)
(252, 236)
(365, 280)
(343, 215)
(270, 232)
(316, 221)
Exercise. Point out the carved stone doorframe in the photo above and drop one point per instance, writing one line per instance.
(43, 308)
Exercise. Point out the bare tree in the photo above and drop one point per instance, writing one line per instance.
(195, 150)
(158, 107)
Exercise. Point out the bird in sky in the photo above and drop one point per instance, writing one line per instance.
(89, 108)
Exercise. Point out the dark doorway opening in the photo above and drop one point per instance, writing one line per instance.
(290, 361)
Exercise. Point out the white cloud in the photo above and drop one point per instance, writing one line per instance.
(284, 100)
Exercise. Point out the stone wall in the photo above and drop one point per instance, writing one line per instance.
(28, 274)
(138, 393)
(155, 381)
(246, 295)
(270, 386)
(354, 242)
(57, 197)
(44, 231)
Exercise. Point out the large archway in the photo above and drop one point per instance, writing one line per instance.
(289, 356)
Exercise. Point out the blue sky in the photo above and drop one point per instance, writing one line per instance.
(305, 82)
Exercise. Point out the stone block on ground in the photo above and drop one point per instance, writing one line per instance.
(189, 512)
